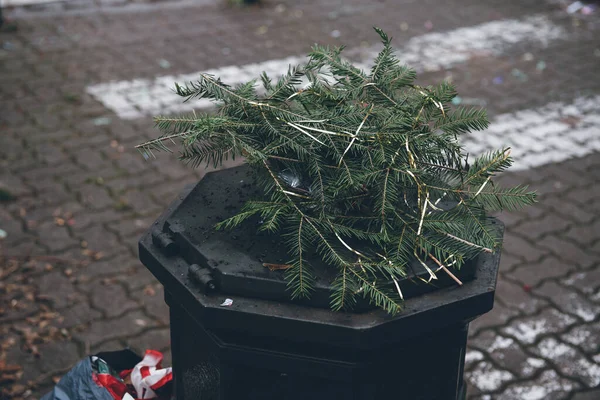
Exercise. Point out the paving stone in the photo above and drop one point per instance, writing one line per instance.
(56, 357)
(586, 281)
(95, 197)
(569, 301)
(585, 336)
(535, 273)
(12, 227)
(155, 339)
(50, 154)
(92, 160)
(583, 197)
(508, 262)
(49, 213)
(167, 359)
(79, 314)
(585, 234)
(132, 227)
(111, 345)
(139, 202)
(527, 330)
(85, 219)
(132, 163)
(549, 385)
(89, 143)
(59, 289)
(569, 209)
(587, 395)
(146, 179)
(154, 305)
(569, 361)
(550, 223)
(44, 173)
(13, 185)
(518, 246)
(472, 357)
(518, 298)
(138, 277)
(24, 249)
(111, 298)
(99, 239)
(507, 353)
(54, 237)
(568, 252)
(497, 317)
(131, 324)
(111, 266)
(487, 378)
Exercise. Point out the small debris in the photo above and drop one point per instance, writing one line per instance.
(6, 195)
(261, 30)
(527, 288)
(403, 26)
(8, 46)
(3, 234)
(498, 80)
(527, 57)
(140, 322)
(335, 34)
(574, 7)
(520, 75)
(227, 303)
(428, 25)
(101, 121)
(149, 291)
(71, 98)
(457, 100)
(541, 65)
(164, 64)
(588, 10)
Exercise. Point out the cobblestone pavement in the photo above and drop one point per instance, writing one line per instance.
(75, 196)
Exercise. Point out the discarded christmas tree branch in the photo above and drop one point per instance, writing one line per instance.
(364, 168)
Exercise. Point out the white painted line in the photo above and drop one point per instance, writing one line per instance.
(553, 133)
(17, 3)
(146, 97)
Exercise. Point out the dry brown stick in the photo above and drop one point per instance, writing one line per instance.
(446, 270)
(275, 267)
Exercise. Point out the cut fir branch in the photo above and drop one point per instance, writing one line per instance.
(353, 166)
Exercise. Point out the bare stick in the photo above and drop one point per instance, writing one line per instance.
(446, 270)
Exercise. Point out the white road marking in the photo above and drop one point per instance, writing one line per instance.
(440, 50)
(18, 3)
(146, 97)
(552, 133)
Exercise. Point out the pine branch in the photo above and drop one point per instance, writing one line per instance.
(379, 176)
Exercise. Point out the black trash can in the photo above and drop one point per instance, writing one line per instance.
(264, 346)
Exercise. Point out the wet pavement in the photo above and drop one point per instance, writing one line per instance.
(79, 81)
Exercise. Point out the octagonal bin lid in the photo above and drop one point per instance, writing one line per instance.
(238, 260)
